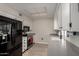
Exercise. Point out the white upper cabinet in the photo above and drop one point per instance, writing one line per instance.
(55, 21)
(65, 16)
(68, 17)
(75, 16)
(57, 18)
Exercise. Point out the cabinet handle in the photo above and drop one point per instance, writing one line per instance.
(70, 24)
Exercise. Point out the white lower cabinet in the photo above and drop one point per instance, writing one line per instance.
(24, 43)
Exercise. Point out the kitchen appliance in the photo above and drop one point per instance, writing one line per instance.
(0, 38)
(12, 30)
(26, 28)
(27, 38)
(3, 38)
(27, 41)
(30, 40)
(24, 43)
(24, 38)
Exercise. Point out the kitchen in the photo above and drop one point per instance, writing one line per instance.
(39, 29)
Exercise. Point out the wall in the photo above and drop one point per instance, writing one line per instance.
(42, 28)
(11, 13)
(27, 21)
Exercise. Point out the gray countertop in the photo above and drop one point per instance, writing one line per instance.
(60, 47)
(29, 34)
(74, 40)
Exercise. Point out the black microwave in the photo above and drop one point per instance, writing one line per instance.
(26, 28)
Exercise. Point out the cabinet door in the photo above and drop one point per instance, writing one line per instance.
(58, 18)
(59, 13)
(55, 21)
(75, 16)
(65, 16)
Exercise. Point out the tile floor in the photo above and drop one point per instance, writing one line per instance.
(37, 50)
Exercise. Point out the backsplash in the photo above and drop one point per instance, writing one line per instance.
(72, 33)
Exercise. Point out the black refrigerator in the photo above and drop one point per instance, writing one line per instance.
(13, 29)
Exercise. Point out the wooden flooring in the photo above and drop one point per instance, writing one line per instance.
(37, 50)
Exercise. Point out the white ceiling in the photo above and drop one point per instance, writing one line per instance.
(35, 10)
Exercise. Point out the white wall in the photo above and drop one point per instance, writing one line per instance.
(11, 13)
(42, 28)
(27, 22)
